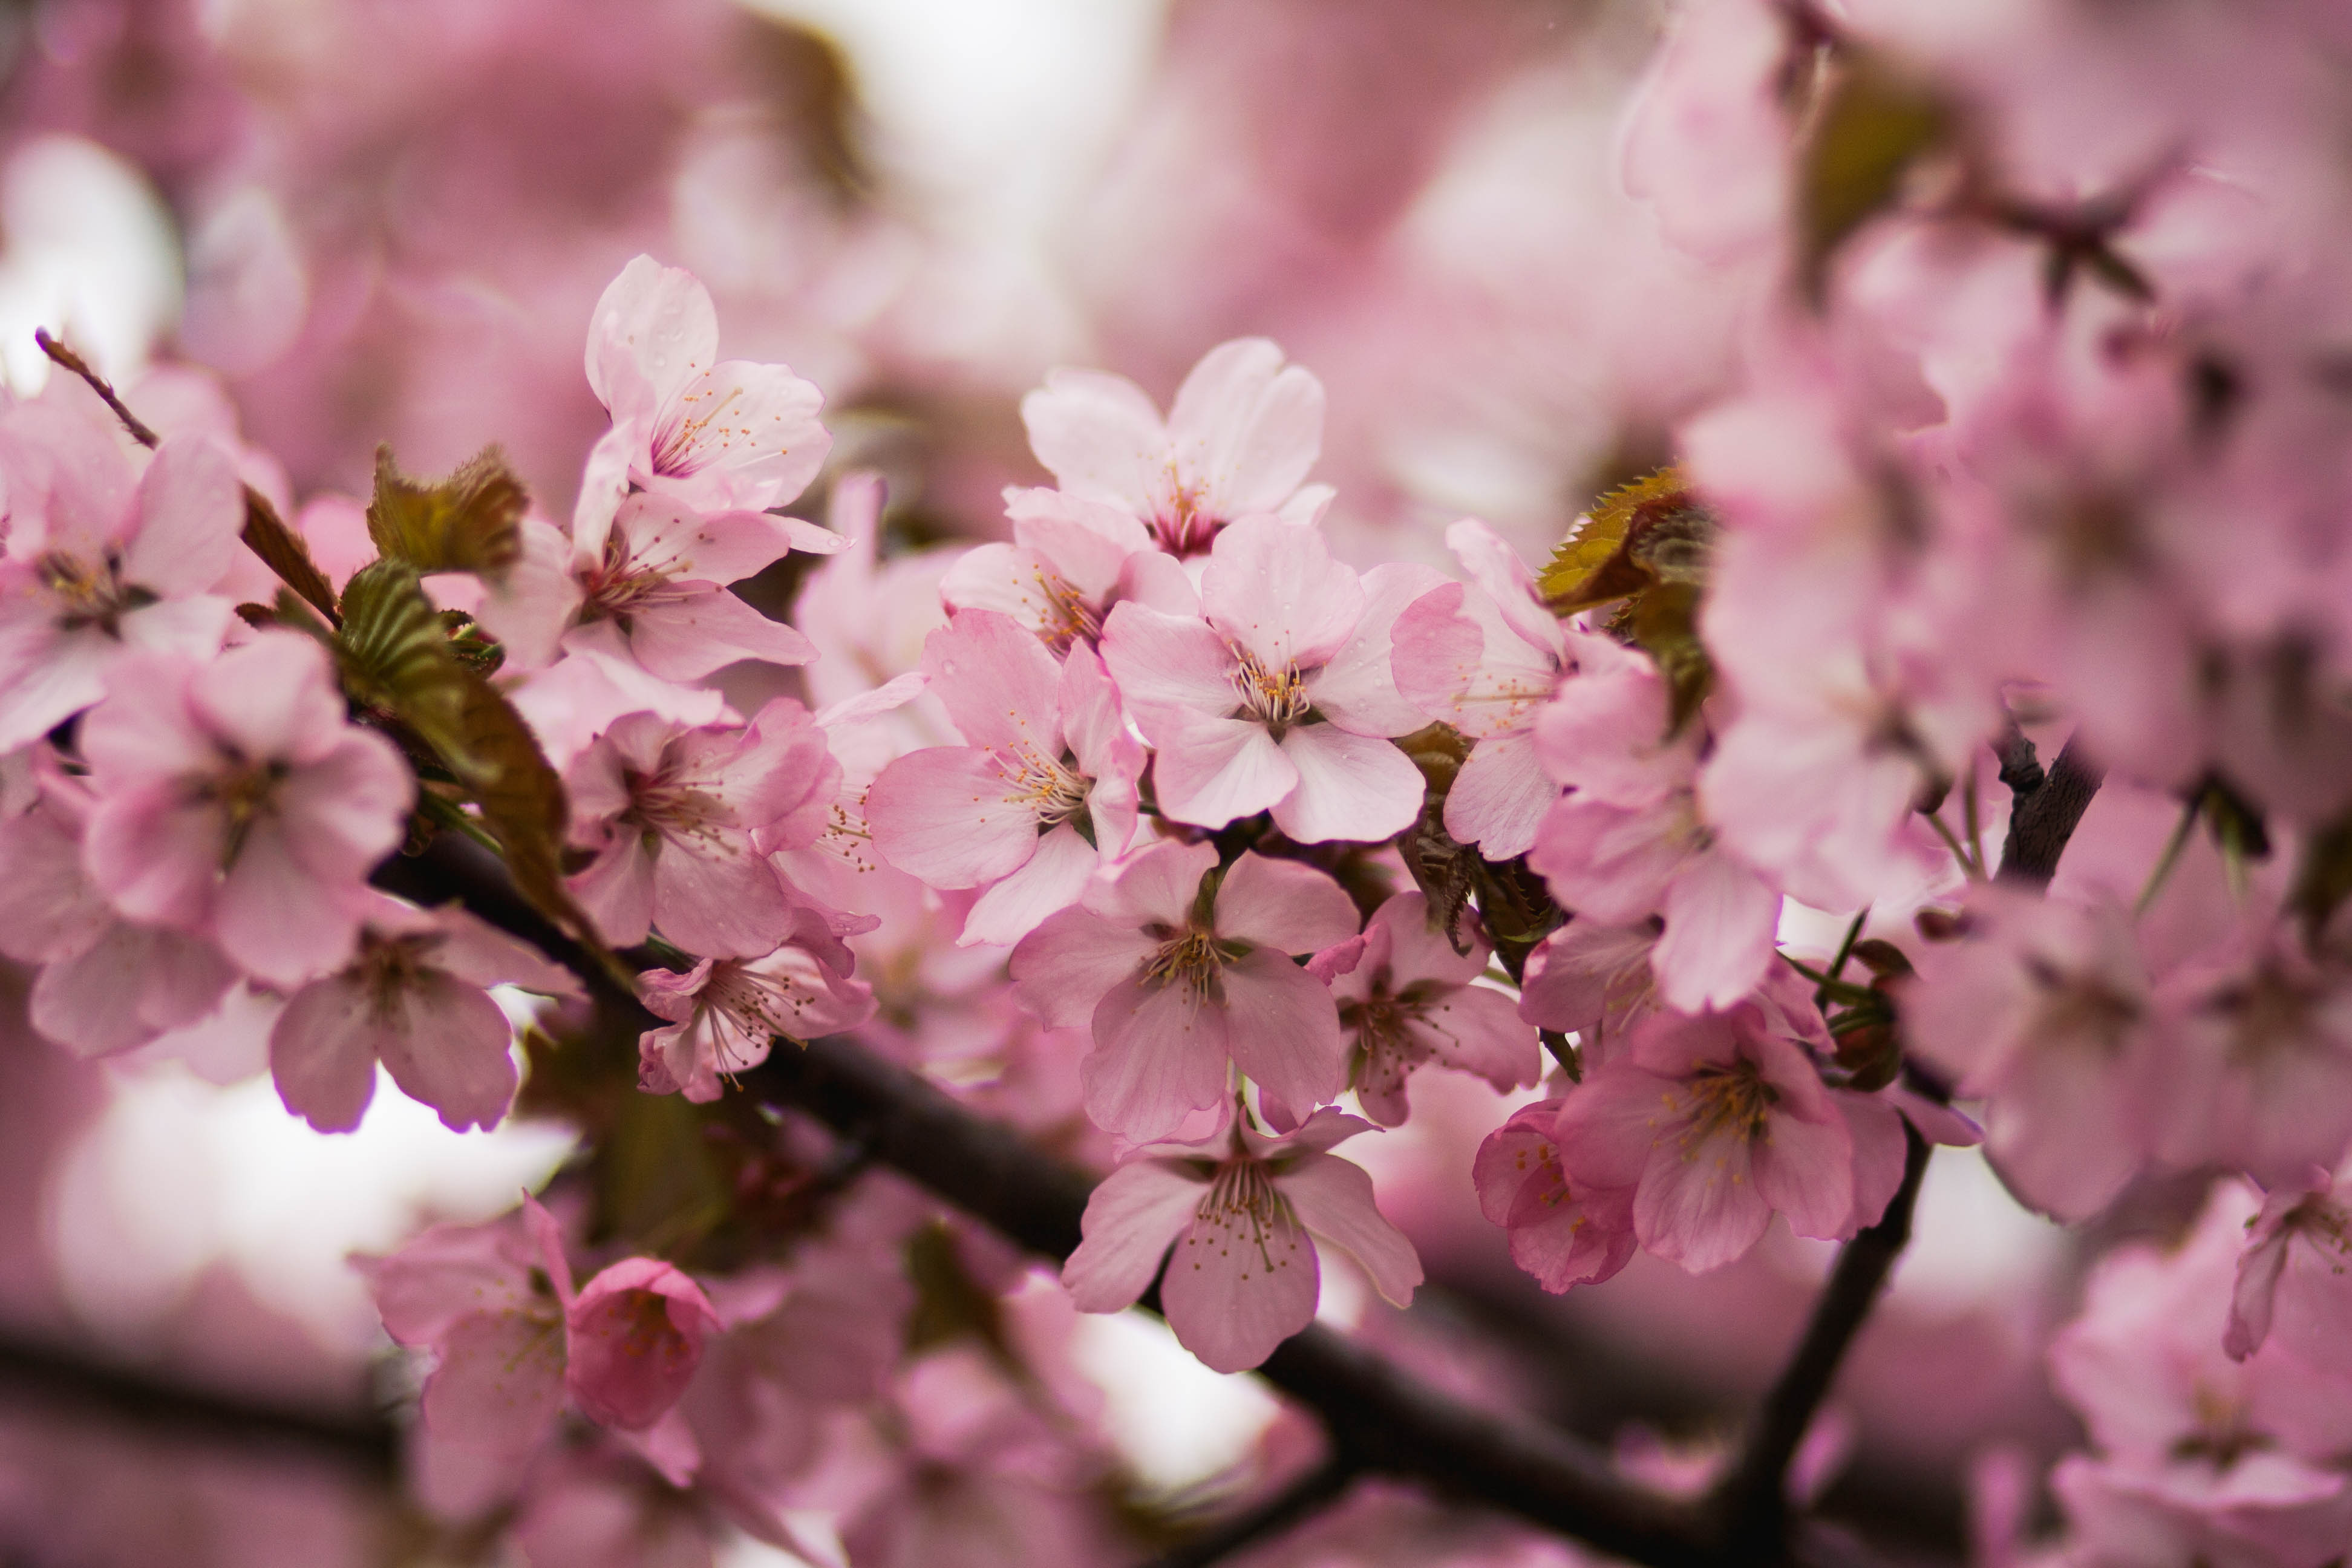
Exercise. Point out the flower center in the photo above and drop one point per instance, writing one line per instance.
(680, 448)
(659, 804)
(2079, 1009)
(1042, 784)
(1183, 529)
(1274, 698)
(1243, 1204)
(244, 793)
(1732, 1098)
(1069, 619)
(1192, 960)
(618, 583)
(94, 596)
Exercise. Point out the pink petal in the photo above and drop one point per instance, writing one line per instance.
(1240, 1283)
(997, 682)
(653, 330)
(1247, 428)
(191, 507)
(1053, 878)
(130, 985)
(1357, 686)
(1500, 797)
(278, 919)
(322, 1053)
(499, 1382)
(949, 816)
(47, 674)
(1283, 904)
(717, 896)
(1157, 884)
(1098, 435)
(635, 1336)
(1166, 662)
(274, 698)
(1700, 1207)
(1273, 588)
(1161, 1051)
(1351, 787)
(1061, 970)
(1210, 772)
(1333, 1198)
(741, 436)
(685, 637)
(452, 1051)
(1721, 921)
(1132, 1216)
(1285, 1029)
(617, 889)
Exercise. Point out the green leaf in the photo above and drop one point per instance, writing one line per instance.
(470, 521)
(1876, 124)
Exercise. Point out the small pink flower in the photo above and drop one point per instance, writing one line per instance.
(1041, 793)
(2043, 1011)
(234, 800)
(1278, 696)
(724, 1014)
(1591, 981)
(1238, 442)
(2295, 1275)
(635, 1335)
(106, 984)
(1484, 656)
(1563, 1233)
(718, 436)
(1180, 985)
(96, 564)
(1715, 1121)
(1244, 1211)
(681, 822)
(1071, 560)
(1409, 1001)
(414, 999)
(657, 592)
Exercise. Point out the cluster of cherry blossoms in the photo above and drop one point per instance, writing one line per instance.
(1951, 747)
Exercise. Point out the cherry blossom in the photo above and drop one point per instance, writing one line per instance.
(1041, 793)
(1245, 1213)
(1563, 1232)
(1406, 1000)
(680, 821)
(717, 436)
(1179, 967)
(725, 1012)
(2291, 1276)
(102, 564)
(414, 998)
(1243, 432)
(234, 801)
(1278, 695)
(1484, 657)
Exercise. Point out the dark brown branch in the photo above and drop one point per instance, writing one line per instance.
(1753, 1498)
(1289, 1506)
(49, 1375)
(2042, 819)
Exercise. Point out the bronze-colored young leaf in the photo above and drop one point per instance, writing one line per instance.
(2323, 879)
(1650, 531)
(396, 657)
(470, 521)
(282, 551)
(1876, 124)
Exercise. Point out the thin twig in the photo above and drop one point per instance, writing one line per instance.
(139, 430)
(1309, 1495)
(41, 1375)
(1752, 1499)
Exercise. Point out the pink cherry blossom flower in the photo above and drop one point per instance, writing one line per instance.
(1041, 794)
(1715, 1121)
(1238, 442)
(716, 435)
(97, 565)
(1484, 656)
(1278, 696)
(1628, 842)
(673, 816)
(2043, 1011)
(1564, 1234)
(635, 1334)
(1182, 978)
(414, 998)
(1593, 981)
(1071, 560)
(106, 985)
(234, 801)
(724, 1014)
(659, 585)
(2295, 1276)
(1245, 1213)
(1409, 1001)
